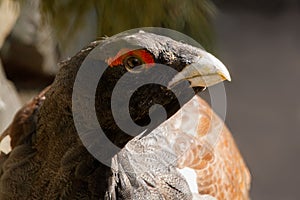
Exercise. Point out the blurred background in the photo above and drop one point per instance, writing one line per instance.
(259, 42)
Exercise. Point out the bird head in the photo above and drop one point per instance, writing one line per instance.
(149, 70)
(127, 85)
(133, 83)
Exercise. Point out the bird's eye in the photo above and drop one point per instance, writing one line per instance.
(132, 62)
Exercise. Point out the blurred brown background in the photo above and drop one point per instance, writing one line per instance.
(260, 44)
(259, 41)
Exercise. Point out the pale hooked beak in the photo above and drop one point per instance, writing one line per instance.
(205, 71)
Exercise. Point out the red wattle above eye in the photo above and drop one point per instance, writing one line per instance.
(142, 54)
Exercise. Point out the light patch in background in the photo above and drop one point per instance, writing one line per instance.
(2, 104)
(5, 144)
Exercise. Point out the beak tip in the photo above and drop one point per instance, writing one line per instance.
(225, 76)
(221, 68)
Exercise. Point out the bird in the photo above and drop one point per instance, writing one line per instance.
(44, 153)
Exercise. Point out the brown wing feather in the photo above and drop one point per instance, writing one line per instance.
(24, 122)
(15, 167)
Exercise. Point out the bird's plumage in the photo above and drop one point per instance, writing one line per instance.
(194, 138)
(49, 161)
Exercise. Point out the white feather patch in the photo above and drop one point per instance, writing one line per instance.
(191, 178)
(203, 197)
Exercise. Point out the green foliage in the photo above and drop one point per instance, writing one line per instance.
(191, 17)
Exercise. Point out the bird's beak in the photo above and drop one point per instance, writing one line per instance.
(205, 71)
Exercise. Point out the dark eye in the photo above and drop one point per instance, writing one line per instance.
(132, 62)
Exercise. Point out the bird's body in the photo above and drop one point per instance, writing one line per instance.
(193, 145)
(48, 160)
